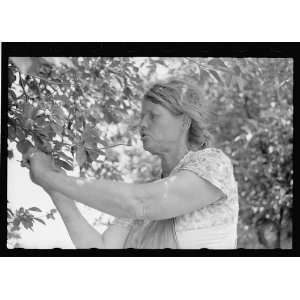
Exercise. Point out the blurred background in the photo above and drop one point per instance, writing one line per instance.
(76, 108)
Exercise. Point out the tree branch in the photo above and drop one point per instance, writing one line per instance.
(246, 106)
(208, 68)
(23, 87)
(49, 81)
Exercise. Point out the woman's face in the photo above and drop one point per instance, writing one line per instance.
(160, 130)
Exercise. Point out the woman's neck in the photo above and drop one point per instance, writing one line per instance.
(170, 159)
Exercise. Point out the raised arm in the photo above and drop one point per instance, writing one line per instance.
(162, 199)
(181, 193)
(82, 234)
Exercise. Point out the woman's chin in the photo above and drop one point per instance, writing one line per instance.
(147, 145)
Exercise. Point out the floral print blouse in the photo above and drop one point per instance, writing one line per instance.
(214, 225)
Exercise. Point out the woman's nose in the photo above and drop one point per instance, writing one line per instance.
(143, 123)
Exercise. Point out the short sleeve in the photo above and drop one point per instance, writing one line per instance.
(212, 165)
(123, 222)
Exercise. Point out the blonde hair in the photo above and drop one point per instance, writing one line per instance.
(183, 96)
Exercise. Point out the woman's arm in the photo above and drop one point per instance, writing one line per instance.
(162, 199)
(115, 198)
(82, 234)
(176, 195)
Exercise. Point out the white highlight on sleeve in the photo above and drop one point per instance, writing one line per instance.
(167, 182)
(82, 181)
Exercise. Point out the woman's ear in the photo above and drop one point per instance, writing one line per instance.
(186, 121)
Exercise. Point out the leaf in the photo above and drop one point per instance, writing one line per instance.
(216, 76)
(40, 220)
(45, 131)
(28, 65)
(20, 134)
(37, 112)
(16, 222)
(23, 63)
(65, 156)
(27, 111)
(109, 117)
(41, 143)
(228, 79)
(91, 136)
(237, 70)
(41, 120)
(50, 216)
(217, 62)
(73, 150)
(53, 211)
(11, 133)
(240, 81)
(57, 128)
(243, 62)
(37, 138)
(70, 125)
(9, 212)
(23, 146)
(35, 209)
(27, 223)
(127, 91)
(10, 154)
(64, 164)
(203, 75)
(90, 145)
(27, 123)
(81, 156)
(12, 96)
(93, 155)
(58, 111)
(59, 61)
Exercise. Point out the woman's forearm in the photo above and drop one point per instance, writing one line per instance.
(115, 198)
(82, 234)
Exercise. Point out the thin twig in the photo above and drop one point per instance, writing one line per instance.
(199, 65)
(49, 81)
(64, 128)
(111, 146)
(22, 85)
(208, 68)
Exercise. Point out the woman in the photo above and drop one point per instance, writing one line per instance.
(193, 205)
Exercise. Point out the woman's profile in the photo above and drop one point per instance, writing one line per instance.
(193, 205)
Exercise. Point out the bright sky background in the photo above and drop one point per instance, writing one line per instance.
(22, 192)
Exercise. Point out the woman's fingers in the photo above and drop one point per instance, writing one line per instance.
(25, 164)
(27, 156)
(57, 169)
(26, 159)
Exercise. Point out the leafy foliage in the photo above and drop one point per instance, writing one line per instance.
(76, 109)
(254, 127)
(24, 217)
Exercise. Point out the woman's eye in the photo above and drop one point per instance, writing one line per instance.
(153, 116)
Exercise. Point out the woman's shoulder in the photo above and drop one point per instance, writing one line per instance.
(213, 165)
(207, 156)
(210, 152)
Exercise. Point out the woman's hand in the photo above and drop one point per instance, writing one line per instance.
(52, 193)
(39, 164)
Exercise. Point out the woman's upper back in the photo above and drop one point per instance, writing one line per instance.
(212, 226)
(214, 166)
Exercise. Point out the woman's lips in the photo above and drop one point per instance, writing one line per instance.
(144, 136)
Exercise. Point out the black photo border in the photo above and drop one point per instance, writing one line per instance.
(94, 49)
